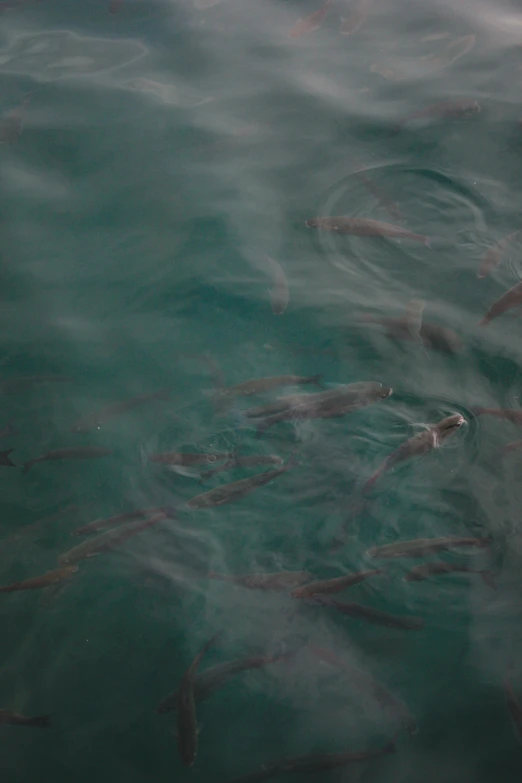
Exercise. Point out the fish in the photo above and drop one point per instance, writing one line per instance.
(5, 460)
(494, 255)
(38, 582)
(227, 493)
(112, 538)
(73, 452)
(16, 385)
(16, 719)
(8, 430)
(187, 459)
(311, 22)
(245, 462)
(94, 420)
(370, 615)
(419, 547)
(186, 704)
(515, 445)
(514, 706)
(281, 580)
(420, 444)
(514, 415)
(216, 676)
(365, 227)
(11, 122)
(333, 585)
(114, 521)
(279, 294)
(356, 17)
(315, 762)
(350, 393)
(262, 385)
(367, 684)
(452, 109)
(424, 571)
(379, 194)
(432, 335)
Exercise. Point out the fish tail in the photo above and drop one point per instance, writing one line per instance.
(28, 465)
(4, 459)
(42, 721)
(488, 579)
(317, 380)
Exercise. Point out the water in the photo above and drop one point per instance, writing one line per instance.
(166, 149)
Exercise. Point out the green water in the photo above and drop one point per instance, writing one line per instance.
(166, 150)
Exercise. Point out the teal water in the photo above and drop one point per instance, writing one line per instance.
(166, 149)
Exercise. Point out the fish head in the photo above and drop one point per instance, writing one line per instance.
(384, 392)
(448, 426)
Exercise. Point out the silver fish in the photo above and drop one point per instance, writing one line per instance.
(187, 726)
(74, 452)
(365, 227)
(419, 547)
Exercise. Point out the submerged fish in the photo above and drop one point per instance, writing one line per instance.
(186, 459)
(420, 444)
(74, 452)
(214, 677)
(380, 195)
(16, 385)
(419, 547)
(494, 255)
(513, 415)
(444, 110)
(507, 301)
(365, 227)
(38, 582)
(187, 726)
(334, 585)
(11, 122)
(281, 580)
(424, 571)
(5, 460)
(346, 394)
(432, 336)
(515, 445)
(94, 420)
(279, 294)
(245, 462)
(514, 707)
(261, 385)
(237, 489)
(311, 22)
(113, 538)
(370, 615)
(16, 719)
(8, 430)
(356, 17)
(367, 684)
(114, 521)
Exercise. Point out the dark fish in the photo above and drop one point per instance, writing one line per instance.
(515, 445)
(8, 430)
(419, 445)
(317, 762)
(334, 585)
(311, 22)
(38, 582)
(216, 676)
(261, 385)
(279, 294)
(237, 489)
(186, 459)
(15, 719)
(514, 415)
(16, 385)
(445, 110)
(494, 255)
(346, 394)
(94, 420)
(366, 684)
(365, 227)
(282, 580)
(507, 301)
(424, 571)
(4, 459)
(419, 547)
(187, 726)
(110, 540)
(433, 336)
(73, 452)
(245, 462)
(514, 707)
(11, 122)
(118, 519)
(357, 17)
(370, 615)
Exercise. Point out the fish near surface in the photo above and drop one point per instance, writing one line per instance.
(370, 615)
(16, 719)
(94, 420)
(419, 547)
(349, 394)
(245, 462)
(507, 301)
(452, 109)
(186, 459)
(74, 452)
(261, 385)
(114, 521)
(419, 445)
(433, 336)
(39, 582)
(427, 570)
(279, 294)
(282, 580)
(311, 22)
(5, 459)
(380, 195)
(365, 227)
(493, 257)
(186, 724)
(335, 585)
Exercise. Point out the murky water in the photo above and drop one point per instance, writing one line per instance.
(162, 164)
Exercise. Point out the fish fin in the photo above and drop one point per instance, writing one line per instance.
(28, 466)
(4, 459)
(42, 721)
(488, 579)
(317, 380)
